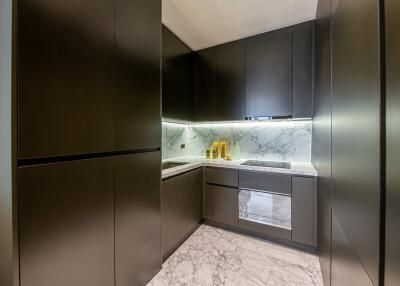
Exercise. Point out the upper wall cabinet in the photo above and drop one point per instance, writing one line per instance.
(65, 95)
(204, 84)
(137, 105)
(269, 75)
(303, 71)
(177, 76)
(219, 82)
(230, 102)
(279, 73)
(92, 89)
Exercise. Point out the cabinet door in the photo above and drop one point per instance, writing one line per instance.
(269, 75)
(303, 210)
(137, 218)
(138, 74)
(205, 84)
(66, 223)
(177, 78)
(182, 207)
(65, 72)
(222, 204)
(303, 71)
(230, 101)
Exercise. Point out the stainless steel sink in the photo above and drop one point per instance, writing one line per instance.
(283, 165)
(168, 165)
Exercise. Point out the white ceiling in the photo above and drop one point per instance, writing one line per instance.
(206, 23)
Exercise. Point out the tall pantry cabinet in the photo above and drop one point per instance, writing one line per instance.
(87, 131)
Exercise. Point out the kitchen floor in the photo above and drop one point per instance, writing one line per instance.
(213, 256)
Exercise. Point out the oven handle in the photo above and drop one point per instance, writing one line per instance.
(262, 191)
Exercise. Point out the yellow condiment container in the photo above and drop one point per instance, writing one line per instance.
(215, 150)
(223, 149)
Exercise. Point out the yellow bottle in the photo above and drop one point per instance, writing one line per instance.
(208, 153)
(215, 150)
(223, 150)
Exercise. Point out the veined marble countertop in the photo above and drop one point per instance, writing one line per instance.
(297, 168)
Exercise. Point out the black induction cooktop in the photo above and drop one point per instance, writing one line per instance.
(283, 165)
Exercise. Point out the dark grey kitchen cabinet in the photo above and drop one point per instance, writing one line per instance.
(66, 223)
(303, 71)
(204, 84)
(392, 238)
(182, 208)
(222, 204)
(65, 77)
(137, 218)
(269, 75)
(177, 78)
(230, 81)
(137, 69)
(303, 210)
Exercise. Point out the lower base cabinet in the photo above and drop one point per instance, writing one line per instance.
(137, 218)
(182, 208)
(66, 223)
(222, 204)
(92, 222)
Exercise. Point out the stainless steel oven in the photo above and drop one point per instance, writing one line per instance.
(265, 208)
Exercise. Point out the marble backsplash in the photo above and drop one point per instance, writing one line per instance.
(274, 140)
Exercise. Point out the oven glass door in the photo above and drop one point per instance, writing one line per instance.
(265, 208)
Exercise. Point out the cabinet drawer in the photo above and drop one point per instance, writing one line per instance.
(222, 177)
(274, 183)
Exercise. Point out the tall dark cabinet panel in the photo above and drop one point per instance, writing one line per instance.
(321, 135)
(230, 81)
(137, 104)
(204, 85)
(392, 263)
(177, 78)
(137, 218)
(346, 266)
(356, 132)
(303, 71)
(65, 89)
(269, 75)
(66, 223)
(8, 249)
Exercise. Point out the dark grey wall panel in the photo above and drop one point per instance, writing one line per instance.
(322, 133)
(356, 128)
(6, 158)
(321, 137)
(66, 216)
(392, 264)
(137, 218)
(324, 237)
(137, 104)
(346, 266)
(65, 77)
(177, 78)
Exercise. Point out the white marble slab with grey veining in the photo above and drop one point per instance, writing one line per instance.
(273, 141)
(217, 257)
(297, 168)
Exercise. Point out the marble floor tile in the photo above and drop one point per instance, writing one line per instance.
(213, 256)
